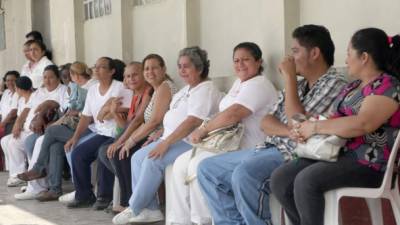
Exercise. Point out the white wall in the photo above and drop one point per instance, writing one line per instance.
(102, 36)
(17, 22)
(160, 28)
(344, 17)
(62, 28)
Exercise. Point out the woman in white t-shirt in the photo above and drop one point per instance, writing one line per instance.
(195, 102)
(23, 89)
(34, 70)
(14, 143)
(95, 134)
(250, 98)
(8, 103)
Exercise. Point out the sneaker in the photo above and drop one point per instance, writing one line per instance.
(101, 203)
(67, 198)
(82, 203)
(147, 216)
(15, 182)
(23, 188)
(123, 217)
(27, 195)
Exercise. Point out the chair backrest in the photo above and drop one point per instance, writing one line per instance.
(388, 177)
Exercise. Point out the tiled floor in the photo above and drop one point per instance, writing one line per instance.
(32, 212)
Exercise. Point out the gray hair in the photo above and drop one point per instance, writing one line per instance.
(199, 58)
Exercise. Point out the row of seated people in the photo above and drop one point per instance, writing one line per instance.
(136, 136)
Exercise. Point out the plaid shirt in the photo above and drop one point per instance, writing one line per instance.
(316, 101)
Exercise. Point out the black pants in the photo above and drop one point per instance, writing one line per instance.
(299, 185)
(121, 169)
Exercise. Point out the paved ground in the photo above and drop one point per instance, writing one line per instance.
(32, 212)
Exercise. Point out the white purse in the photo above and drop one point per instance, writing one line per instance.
(321, 147)
(225, 139)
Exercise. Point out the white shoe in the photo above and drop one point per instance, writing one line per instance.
(23, 188)
(67, 198)
(123, 217)
(27, 195)
(147, 216)
(15, 182)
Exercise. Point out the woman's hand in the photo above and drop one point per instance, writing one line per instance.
(306, 129)
(126, 148)
(112, 149)
(153, 137)
(197, 135)
(17, 129)
(159, 151)
(116, 103)
(70, 144)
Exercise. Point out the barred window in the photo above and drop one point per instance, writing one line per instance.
(96, 8)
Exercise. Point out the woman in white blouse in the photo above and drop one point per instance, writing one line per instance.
(8, 103)
(195, 102)
(14, 143)
(250, 98)
(34, 70)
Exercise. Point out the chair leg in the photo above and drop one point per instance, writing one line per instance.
(395, 202)
(332, 208)
(375, 210)
(275, 209)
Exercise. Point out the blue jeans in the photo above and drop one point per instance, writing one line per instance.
(82, 156)
(29, 144)
(147, 174)
(236, 185)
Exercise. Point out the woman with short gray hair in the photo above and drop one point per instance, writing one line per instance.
(195, 102)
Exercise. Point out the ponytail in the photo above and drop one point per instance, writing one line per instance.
(393, 60)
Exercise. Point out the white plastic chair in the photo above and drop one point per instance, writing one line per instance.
(373, 195)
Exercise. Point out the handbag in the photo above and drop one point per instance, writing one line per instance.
(321, 147)
(221, 140)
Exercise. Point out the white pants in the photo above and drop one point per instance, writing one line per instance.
(14, 149)
(187, 202)
(39, 185)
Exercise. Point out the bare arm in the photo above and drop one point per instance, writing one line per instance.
(161, 104)
(10, 116)
(82, 126)
(232, 115)
(366, 121)
(272, 126)
(292, 102)
(19, 123)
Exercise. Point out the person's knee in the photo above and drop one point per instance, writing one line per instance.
(304, 183)
(279, 182)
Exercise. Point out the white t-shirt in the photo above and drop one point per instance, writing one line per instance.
(256, 94)
(201, 101)
(9, 101)
(60, 95)
(36, 72)
(22, 104)
(89, 83)
(94, 102)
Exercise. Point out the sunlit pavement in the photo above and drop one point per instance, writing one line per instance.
(32, 212)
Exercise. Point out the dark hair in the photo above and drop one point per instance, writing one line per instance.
(384, 51)
(156, 57)
(311, 36)
(24, 83)
(42, 46)
(254, 50)
(159, 59)
(54, 69)
(111, 65)
(29, 42)
(119, 69)
(199, 59)
(11, 72)
(36, 35)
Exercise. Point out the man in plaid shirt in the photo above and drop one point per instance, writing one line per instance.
(236, 184)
